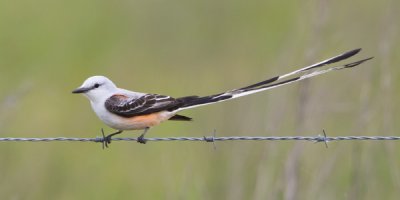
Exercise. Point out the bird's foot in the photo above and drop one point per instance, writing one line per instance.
(141, 139)
(107, 139)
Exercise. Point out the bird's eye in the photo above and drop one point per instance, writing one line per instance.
(96, 85)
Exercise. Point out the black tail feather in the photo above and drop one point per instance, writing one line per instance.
(180, 118)
(335, 59)
(277, 81)
(196, 100)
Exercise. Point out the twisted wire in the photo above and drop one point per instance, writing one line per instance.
(319, 138)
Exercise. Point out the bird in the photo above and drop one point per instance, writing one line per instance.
(123, 109)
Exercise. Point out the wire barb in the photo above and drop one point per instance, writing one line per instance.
(323, 138)
(103, 139)
(211, 139)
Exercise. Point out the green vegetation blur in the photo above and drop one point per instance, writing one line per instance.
(179, 48)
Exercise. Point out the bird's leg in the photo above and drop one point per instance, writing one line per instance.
(141, 138)
(107, 139)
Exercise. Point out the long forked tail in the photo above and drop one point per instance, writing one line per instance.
(277, 81)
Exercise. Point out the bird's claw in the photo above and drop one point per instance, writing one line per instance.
(107, 139)
(141, 139)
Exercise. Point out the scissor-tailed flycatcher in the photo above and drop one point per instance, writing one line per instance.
(127, 110)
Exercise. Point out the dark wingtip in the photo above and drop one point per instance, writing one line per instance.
(353, 64)
(352, 52)
(335, 59)
(345, 55)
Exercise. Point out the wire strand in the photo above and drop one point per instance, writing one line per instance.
(319, 138)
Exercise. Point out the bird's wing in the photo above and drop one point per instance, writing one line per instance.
(125, 106)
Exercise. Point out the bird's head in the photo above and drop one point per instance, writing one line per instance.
(96, 88)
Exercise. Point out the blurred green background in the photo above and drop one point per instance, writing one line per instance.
(179, 48)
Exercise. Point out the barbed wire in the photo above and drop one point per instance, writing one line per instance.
(213, 138)
(205, 138)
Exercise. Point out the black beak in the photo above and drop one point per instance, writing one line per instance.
(81, 90)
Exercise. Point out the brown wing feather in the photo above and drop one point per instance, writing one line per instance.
(146, 104)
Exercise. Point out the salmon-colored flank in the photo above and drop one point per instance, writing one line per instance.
(148, 120)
